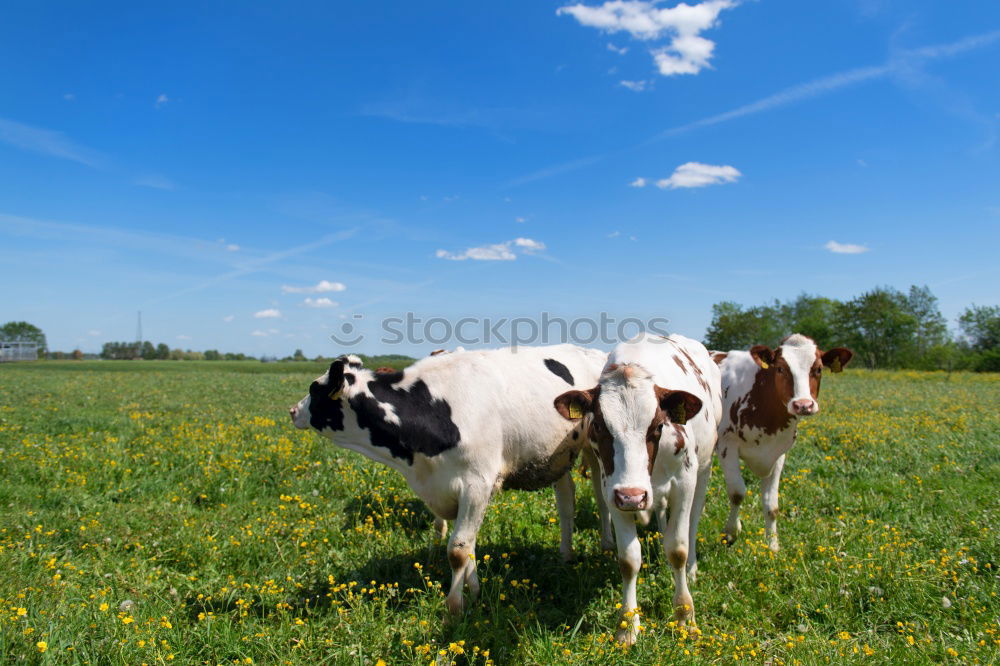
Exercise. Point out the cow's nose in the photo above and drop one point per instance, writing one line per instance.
(805, 407)
(293, 412)
(631, 499)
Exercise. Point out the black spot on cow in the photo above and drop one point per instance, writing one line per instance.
(349, 378)
(559, 370)
(576, 435)
(324, 410)
(425, 424)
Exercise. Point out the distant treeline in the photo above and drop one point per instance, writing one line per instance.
(885, 328)
(122, 351)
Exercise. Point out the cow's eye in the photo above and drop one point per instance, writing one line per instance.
(780, 370)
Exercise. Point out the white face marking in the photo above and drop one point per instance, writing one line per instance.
(628, 408)
(800, 354)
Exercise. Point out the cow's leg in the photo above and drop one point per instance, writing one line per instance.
(769, 502)
(607, 536)
(440, 528)
(566, 506)
(462, 545)
(629, 562)
(675, 545)
(698, 505)
(729, 460)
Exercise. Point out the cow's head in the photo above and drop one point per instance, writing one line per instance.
(323, 408)
(633, 419)
(795, 368)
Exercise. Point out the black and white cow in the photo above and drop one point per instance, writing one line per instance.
(459, 427)
(656, 412)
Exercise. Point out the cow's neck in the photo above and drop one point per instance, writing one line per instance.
(765, 410)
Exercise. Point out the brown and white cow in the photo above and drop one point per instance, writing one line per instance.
(656, 413)
(765, 391)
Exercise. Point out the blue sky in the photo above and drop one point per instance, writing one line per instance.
(250, 180)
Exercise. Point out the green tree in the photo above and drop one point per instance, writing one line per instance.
(212, 355)
(298, 355)
(879, 327)
(814, 316)
(980, 325)
(162, 352)
(147, 351)
(24, 332)
(932, 329)
(734, 327)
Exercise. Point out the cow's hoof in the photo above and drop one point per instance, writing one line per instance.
(456, 606)
(729, 538)
(626, 637)
(774, 545)
(692, 574)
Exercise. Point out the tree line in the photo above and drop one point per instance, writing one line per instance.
(125, 351)
(885, 327)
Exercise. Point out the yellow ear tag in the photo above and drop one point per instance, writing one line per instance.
(678, 414)
(763, 364)
(574, 411)
(836, 365)
(335, 395)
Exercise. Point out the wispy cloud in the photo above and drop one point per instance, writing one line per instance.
(506, 251)
(47, 142)
(686, 53)
(620, 50)
(638, 182)
(319, 303)
(900, 62)
(162, 101)
(232, 247)
(228, 318)
(845, 248)
(270, 313)
(548, 172)
(321, 287)
(634, 86)
(696, 174)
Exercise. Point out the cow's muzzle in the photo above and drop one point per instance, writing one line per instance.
(631, 499)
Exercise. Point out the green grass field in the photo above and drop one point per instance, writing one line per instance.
(167, 511)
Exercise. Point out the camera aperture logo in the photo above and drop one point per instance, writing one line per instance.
(545, 329)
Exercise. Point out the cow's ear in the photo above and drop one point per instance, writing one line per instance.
(573, 405)
(335, 378)
(837, 358)
(679, 406)
(762, 355)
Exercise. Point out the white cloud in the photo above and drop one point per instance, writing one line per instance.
(270, 313)
(47, 142)
(93, 333)
(845, 248)
(862, 163)
(228, 318)
(520, 220)
(620, 50)
(259, 334)
(319, 303)
(69, 97)
(155, 181)
(634, 86)
(233, 247)
(687, 52)
(161, 100)
(614, 234)
(183, 337)
(638, 182)
(696, 174)
(529, 245)
(321, 287)
(495, 252)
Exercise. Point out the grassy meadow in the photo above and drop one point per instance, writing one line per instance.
(155, 512)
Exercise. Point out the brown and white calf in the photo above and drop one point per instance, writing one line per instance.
(656, 411)
(765, 392)
(459, 427)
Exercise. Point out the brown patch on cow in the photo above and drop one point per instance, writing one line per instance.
(719, 357)
(736, 499)
(458, 556)
(628, 571)
(680, 363)
(678, 557)
(439, 351)
(653, 433)
(766, 406)
(724, 452)
(679, 444)
(384, 370)
(699, 375)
